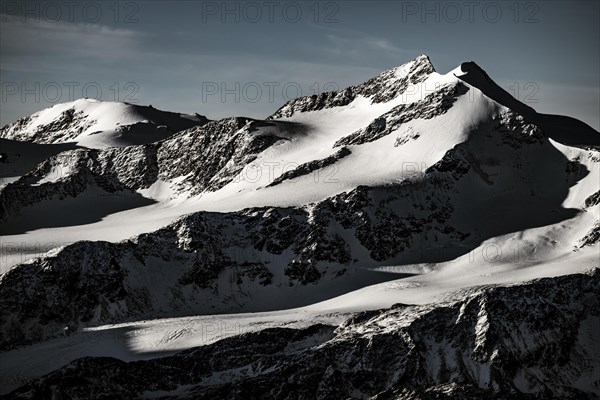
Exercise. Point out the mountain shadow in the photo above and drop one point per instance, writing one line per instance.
(566, 130)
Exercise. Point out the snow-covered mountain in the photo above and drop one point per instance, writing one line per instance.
(214, 154)
(99, 124)
(440, 176)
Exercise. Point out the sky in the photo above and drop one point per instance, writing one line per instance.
(245, 58)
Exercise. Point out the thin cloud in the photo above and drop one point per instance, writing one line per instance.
(55, 45)
(359, 44)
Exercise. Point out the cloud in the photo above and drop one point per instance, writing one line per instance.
(38, 45)
(359, 45)
(360, 48)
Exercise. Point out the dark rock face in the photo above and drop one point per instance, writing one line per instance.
(452, 162)
(310, 167)
(516, 132)
(54, 294)
(9, 131)
(302, 271)
(66, 127)
(592, 200)
(433, 105)
(95, 282)
(73, 172)
(592, 237)
(210, 156)
(384, 220)
(382, 88)
(528, 341)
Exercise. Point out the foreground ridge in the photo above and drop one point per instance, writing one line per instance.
(527, 341)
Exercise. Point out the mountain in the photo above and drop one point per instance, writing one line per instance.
(215, 154)
(99, 124)
(244, 157)
(436, 182)
(534, 340)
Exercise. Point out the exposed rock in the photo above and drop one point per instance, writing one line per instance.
(592, 237)
(309, 167)
(433, 105)
(592, 200)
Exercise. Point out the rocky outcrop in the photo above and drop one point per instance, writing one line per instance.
(433, 105)
(215, 153)
(67, 126)
(311, 166)
(516, 132)
(592, 237)
(592, 200)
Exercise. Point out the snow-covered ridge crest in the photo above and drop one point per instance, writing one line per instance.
(382, 88)
(563, 129)
(99, 124)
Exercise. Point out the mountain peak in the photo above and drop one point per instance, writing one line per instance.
(423, 59)
(382, 88)
(419, 66)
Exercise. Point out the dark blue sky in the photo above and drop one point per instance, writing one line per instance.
(247, 58)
